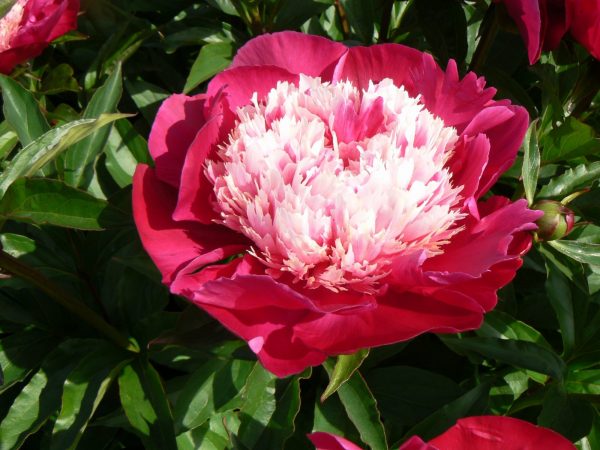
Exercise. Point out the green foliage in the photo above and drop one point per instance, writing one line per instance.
(94, 351)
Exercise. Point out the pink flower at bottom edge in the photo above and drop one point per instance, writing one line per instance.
(474, 433)
(346, 184)
(30, 25)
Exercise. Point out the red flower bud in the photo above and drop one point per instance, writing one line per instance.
(557, 221)
(30, 25)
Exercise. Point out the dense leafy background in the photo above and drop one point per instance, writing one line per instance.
(96, 354)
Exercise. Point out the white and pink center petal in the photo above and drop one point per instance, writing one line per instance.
(333, 184)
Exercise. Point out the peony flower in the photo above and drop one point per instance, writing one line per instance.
(320, 199)
(30, 25)
(543, 23)
(475, 433)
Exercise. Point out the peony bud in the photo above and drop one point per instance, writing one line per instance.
(557, 221)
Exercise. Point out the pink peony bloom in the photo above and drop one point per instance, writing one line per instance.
(30, 25)
(543, 23)
(474, 433)
(319, 199)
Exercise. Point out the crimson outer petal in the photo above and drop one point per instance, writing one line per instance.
(289, 331)
(173, 245)
(265, 314)
(292, 51)
(585, 25)
(327, 441)
(287, 326)
(499, 433)
(416, 443)
(527, 16)
(475, 433)
(556, 19)
(53, 19)
(542, 23)
(178, 120)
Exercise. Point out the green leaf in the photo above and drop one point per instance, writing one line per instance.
(44, 201)
(212, 435)
(125, 39)
(345, 366)
(83, 390)
(526, 355)
(572, 269)
(444, 25)
(331, 417)
(136, 144)
(363, 17)
(60, 79)
(8, 139)
(259, 406)
(472, 403)
(17, 245)
(226, 6)
(531, 162)
(498, 324)
(592, 441)
(22, 111)
(583, 252)
(571, 417)
(22, 352)
(48, 146)
(124, 149)
(559, 293)
(407, 395)
(361, 408)
(571, 180)
(22, 310)
(570, 140)
(211, 388)
(587, 205)
(80, 157)
(40, 398)
(212, 59)
(146, 96)
(584, 382)
(292, 15)
(197, 36)
(146, 406)
(281, 425)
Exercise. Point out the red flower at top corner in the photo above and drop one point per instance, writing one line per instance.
(320, 199)
(30, 25)
(543, 23)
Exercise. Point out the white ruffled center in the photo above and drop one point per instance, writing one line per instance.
(332, 184)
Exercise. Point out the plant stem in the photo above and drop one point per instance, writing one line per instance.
(54, 291)
(343, 19)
